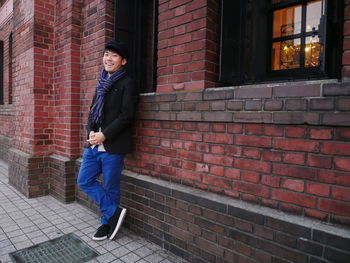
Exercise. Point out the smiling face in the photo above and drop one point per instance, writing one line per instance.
(112, 61)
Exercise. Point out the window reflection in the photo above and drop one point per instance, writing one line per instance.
(313, 50)
(294, 45)
(313, 15)
(287, 21)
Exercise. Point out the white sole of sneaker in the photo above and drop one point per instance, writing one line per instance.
(99, 238)
(119, 224)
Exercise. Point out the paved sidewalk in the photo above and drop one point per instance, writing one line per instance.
(26, 222)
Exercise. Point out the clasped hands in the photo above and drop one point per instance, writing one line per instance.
(96, 138)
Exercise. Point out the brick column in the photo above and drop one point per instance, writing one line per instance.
(46, 97)
(187, 45)
(66, 114)
(32, 96)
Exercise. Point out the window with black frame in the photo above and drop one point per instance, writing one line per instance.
(270, 40)
(10, 88)
(297, 34)
(136, 26)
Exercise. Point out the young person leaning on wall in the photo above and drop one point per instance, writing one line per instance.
(112, 112)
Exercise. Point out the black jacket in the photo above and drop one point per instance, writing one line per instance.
(119, 113)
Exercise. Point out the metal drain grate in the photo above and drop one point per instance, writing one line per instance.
(66, 249)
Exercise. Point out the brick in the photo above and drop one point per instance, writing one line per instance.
(217, 94)
(294, 158)
(342, 133)
(336, 255)
(284, 252)
(254, 141)
(273, 181)
(341, 193)
(293, 198)
(335, 148)
(254, 117)
(254, 129)
(337, 119)
(319, 161)
(343, 104)
(294, 104)
(296, 117)
(218, 138)
(245, 238)
(311, 90)
(271, 155)
(331, 240)
(321, 134)
(219, 160)
(253, 189)
(310, 247)
(252, 105)
(235, 105)
(342, 164)
(293, 184)
(333, 177)
(316, 214)
(261, 256)
(294, 171)
(218, 105)
(218, 116)
(242, 249)
(318, 189)
(219, 182)
(335, 207)
(336, 89)
(296, 145)
(273, 105)
(322, 104)
(295, 132)
(285, 239)
(207, 224)
(243, 225)
(252, 165)
(287, 227)
(252, 92)
(246, 215)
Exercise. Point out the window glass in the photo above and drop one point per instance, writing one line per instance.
(313, 50)
(286, 54)
(313, 15)
(287, 21)
(296, 42)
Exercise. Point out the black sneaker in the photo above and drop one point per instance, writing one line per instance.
(115, 222)
(101, 233)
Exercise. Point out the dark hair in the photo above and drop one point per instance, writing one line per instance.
(117, 47)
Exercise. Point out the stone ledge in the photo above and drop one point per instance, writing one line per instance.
(277, 103)
(225, 204)
(205, 227)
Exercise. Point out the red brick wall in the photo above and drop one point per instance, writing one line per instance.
(287, 147)
(67, 70)
(23, 66)
(187, 45)
(43, 58)
(6, 110)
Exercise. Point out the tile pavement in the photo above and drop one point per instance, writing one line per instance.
(25, 222)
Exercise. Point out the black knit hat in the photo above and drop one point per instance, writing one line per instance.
(118, 47)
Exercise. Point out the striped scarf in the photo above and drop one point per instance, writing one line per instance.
(105, 84)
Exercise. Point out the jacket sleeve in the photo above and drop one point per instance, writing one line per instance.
(127, 114)
(90, 127)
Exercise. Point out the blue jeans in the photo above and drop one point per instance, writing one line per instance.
(107, 195)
